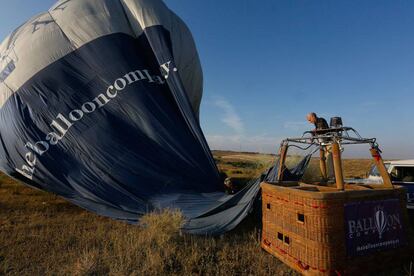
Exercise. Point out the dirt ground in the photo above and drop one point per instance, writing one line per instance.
(42, 234)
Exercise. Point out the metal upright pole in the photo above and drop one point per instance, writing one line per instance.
(336, 154)
(379, 162)
(282, 161)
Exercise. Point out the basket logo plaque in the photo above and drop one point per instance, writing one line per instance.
(373, 226)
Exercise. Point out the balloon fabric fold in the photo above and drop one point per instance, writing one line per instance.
(99, 103)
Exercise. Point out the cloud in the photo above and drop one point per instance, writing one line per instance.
(238, 141)
(258, 143)
(230, 116)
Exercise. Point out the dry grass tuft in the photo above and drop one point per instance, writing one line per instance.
(162, 227)
(89, 264)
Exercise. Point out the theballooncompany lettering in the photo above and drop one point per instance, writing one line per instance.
(63, 123)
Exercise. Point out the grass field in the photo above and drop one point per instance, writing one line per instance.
(41, 234)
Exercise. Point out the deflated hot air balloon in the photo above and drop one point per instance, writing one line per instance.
(99, 104)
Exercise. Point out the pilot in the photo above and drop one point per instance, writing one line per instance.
(319, 122)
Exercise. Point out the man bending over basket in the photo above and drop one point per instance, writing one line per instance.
(320, 125)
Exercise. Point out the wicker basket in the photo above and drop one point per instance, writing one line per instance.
(305, 226)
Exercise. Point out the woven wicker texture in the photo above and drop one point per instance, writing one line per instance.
(304, 226)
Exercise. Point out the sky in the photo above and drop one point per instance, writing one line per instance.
(268, 63)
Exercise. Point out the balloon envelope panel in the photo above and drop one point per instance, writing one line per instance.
(99, 103)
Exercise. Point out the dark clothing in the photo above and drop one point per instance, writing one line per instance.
(321, 124)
